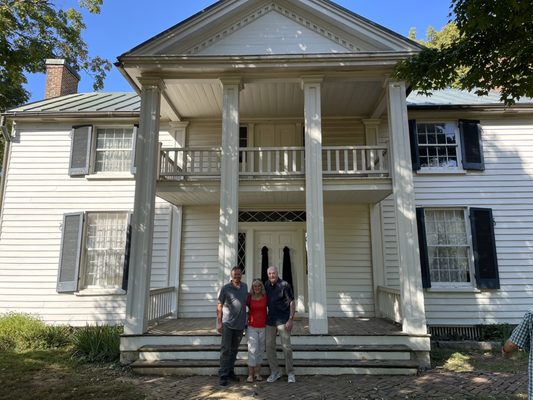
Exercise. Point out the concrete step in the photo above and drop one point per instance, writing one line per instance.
(300, 352)
(301, 367)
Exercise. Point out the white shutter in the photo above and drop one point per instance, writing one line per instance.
(69, 261)
(80, 150)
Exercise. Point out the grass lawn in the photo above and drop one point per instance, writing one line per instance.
(478, 360)
(55, 375)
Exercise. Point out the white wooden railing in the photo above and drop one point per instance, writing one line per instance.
(279, 161)
(354, 160)
(389, 303)
(366, 161)
(161, 303)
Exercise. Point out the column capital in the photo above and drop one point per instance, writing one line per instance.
(178, 124)
(371, 122)
(231, 80)
(150, 82)
(310, 79)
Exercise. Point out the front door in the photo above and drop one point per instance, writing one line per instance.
(275, 240)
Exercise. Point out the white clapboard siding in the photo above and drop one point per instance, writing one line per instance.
(348, 261)
(389, 242)
(342, 132)
(204, 134)
(38, 192)
(506, 186)
(199, 262)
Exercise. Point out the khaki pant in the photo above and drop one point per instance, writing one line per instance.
(285, 338)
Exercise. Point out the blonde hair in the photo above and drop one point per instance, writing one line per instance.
(263, 291)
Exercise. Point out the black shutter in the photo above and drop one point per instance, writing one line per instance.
(133, 167)
(484, 244)
(413, 138)
(127, 253)
(69, 261)
(471, 145)
(80, 150)
(423, 248)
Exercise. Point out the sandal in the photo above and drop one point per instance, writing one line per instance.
(258, 378)
(250, 379)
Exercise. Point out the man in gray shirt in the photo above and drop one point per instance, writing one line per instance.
(231, 321)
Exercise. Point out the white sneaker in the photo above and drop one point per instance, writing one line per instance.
(291, 378)
(274, 376)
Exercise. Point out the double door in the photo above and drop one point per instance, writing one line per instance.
(275, 238)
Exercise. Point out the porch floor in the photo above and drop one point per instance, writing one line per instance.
(338, 326)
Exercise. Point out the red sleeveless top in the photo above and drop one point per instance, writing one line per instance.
(257, 312)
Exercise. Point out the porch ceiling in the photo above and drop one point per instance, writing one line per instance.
(336, 191)
(272, 98)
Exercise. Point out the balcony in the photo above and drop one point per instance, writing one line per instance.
(274, 175)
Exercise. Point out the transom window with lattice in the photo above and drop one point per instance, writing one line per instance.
(272, 216)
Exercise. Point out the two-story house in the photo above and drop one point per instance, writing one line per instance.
(269, 133)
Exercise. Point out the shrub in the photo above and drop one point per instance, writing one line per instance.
(97, 343)
(19, 331)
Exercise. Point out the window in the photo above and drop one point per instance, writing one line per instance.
(105, 244)
(446, 146)
(437, 145)
(457, 247)
(243, 139)
(113, 149)
(448, 246)
(93, 251)
(110, 150)
(241, 252)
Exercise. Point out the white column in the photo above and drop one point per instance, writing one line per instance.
(318, 316)
(412, 297)
(229, 179)
(143, 211)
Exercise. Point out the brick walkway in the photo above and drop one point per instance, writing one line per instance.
(434, 384)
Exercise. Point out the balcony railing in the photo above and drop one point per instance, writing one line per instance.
(204, 162)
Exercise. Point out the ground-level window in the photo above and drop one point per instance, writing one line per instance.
(448, 245)
(457, 247)
(93, 251)
(105, 244)
(241, 252)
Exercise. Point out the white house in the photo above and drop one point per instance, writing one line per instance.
(269, 133)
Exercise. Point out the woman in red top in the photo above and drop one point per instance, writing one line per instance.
(257, 313)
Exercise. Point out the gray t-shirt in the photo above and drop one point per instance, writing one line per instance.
(233, 301)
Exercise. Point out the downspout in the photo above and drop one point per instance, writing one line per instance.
(3, 178)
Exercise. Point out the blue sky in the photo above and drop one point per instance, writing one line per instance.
(122, 25)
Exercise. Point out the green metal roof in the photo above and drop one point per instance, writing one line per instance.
(118, 102)
(456, 97)
(129, 104)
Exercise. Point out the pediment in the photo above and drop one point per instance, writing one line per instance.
(272, 31)
(259, 27)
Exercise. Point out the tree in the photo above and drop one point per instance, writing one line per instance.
(32, 31)
(491, 50)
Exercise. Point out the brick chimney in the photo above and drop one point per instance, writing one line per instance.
(61, 79)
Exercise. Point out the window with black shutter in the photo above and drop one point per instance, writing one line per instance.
(422, 245)
(484, 247)
(413, 140)
(471, 145)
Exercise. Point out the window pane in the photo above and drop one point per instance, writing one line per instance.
(113, 149)
(448, 248)
(104, 250)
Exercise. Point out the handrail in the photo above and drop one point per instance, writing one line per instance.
(161, 303)
(389, 303)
